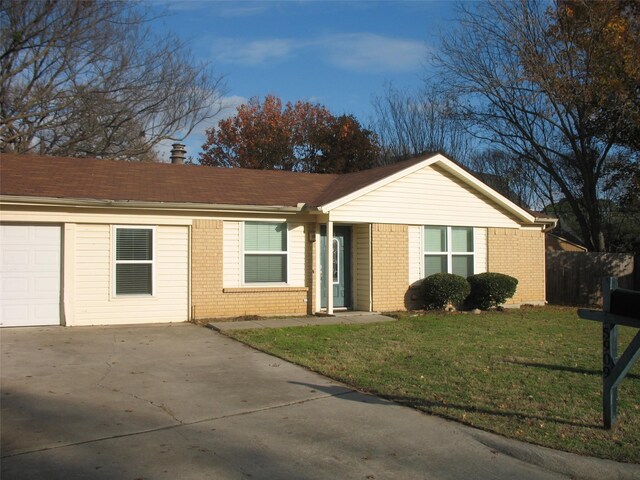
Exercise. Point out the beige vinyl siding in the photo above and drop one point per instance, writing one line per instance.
(95, 303)
(429, 196)
(480, 250)
(231, 253)
(415, 253)
(361, 267)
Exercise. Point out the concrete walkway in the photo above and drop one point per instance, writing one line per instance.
(183, 402)
(346, 318)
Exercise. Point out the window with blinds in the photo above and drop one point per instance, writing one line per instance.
(265, 252)
(134, 261)
(448, 250)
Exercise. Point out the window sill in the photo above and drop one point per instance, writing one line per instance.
(265, 289)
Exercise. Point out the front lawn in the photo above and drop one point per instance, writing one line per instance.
(531, 374)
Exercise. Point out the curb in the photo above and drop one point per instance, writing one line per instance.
(576, 466)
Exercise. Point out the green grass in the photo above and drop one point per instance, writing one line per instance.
(532, 374)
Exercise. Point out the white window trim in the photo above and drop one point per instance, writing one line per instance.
(244, 252)
(115, 261)
(449, 252)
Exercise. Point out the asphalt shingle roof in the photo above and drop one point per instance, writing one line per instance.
(86, 178)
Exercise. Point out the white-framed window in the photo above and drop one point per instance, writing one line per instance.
(448, 250)
(265, 253)
(133, 260)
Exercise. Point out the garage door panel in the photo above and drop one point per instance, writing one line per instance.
(14, 259)
(42, 261)
(16, 288)
(43, 311)
(29, 275)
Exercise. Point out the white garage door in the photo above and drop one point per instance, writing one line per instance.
(29, 275)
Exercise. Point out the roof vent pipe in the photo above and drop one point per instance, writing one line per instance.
(178, 153)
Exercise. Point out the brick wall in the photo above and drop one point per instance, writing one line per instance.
(519, 253)
(208, 297)
(389, 266)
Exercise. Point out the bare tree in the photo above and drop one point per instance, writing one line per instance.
(89, 79)
(511, 177)
(530, 79)
(409, 124)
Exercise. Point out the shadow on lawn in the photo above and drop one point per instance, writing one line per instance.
(430, 406)
(564, 368)
(345, 393)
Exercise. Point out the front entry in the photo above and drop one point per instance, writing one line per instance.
(341, 266)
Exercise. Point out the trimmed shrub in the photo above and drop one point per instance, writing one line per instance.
(490, 289)
(442, 289)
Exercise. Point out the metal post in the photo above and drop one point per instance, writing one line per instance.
(609, 359)
(614, 369)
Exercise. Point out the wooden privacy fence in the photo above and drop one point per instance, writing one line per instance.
(575, 278)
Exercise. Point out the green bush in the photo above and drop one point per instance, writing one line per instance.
(442, 289)
(490, 289)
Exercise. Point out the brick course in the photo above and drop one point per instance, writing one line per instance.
(208, 297)
(389, 266)
(519, 253)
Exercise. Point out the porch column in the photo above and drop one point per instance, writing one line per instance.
(329, 267)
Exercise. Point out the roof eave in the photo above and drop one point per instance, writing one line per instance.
(140, 205)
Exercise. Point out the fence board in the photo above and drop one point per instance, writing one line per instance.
(575, 278)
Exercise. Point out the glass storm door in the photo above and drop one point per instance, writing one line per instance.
(341, 266)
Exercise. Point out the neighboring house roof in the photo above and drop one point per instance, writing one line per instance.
(118, 181)
(557, 243)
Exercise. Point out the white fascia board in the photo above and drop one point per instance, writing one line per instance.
(326, 208)
(133, 204)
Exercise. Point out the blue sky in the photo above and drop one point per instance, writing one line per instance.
(337, 53)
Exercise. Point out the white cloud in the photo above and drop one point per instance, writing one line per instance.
(243, 10)
(371, 52)
(366, 52)
(253, 53)
(219, 8)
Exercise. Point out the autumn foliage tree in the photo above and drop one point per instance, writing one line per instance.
(302, 137)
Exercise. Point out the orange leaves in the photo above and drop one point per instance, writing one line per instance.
(300, 136)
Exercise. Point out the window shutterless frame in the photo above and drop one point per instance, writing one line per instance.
(447, 250)
(265, 253)
(133, 260)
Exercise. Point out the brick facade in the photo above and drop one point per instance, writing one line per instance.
(209, 299)
(515, 252)
(389, 266)
(521, 254)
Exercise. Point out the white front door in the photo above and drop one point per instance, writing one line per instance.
(29, 275)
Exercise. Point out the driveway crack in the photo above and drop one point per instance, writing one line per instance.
(109, 364)
(180, 425)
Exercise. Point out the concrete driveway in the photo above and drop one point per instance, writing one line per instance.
(181, 401)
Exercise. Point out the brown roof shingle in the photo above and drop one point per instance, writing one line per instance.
(84, 178)
(87, 178)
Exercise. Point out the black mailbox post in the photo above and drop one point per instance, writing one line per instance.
(620, 307)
